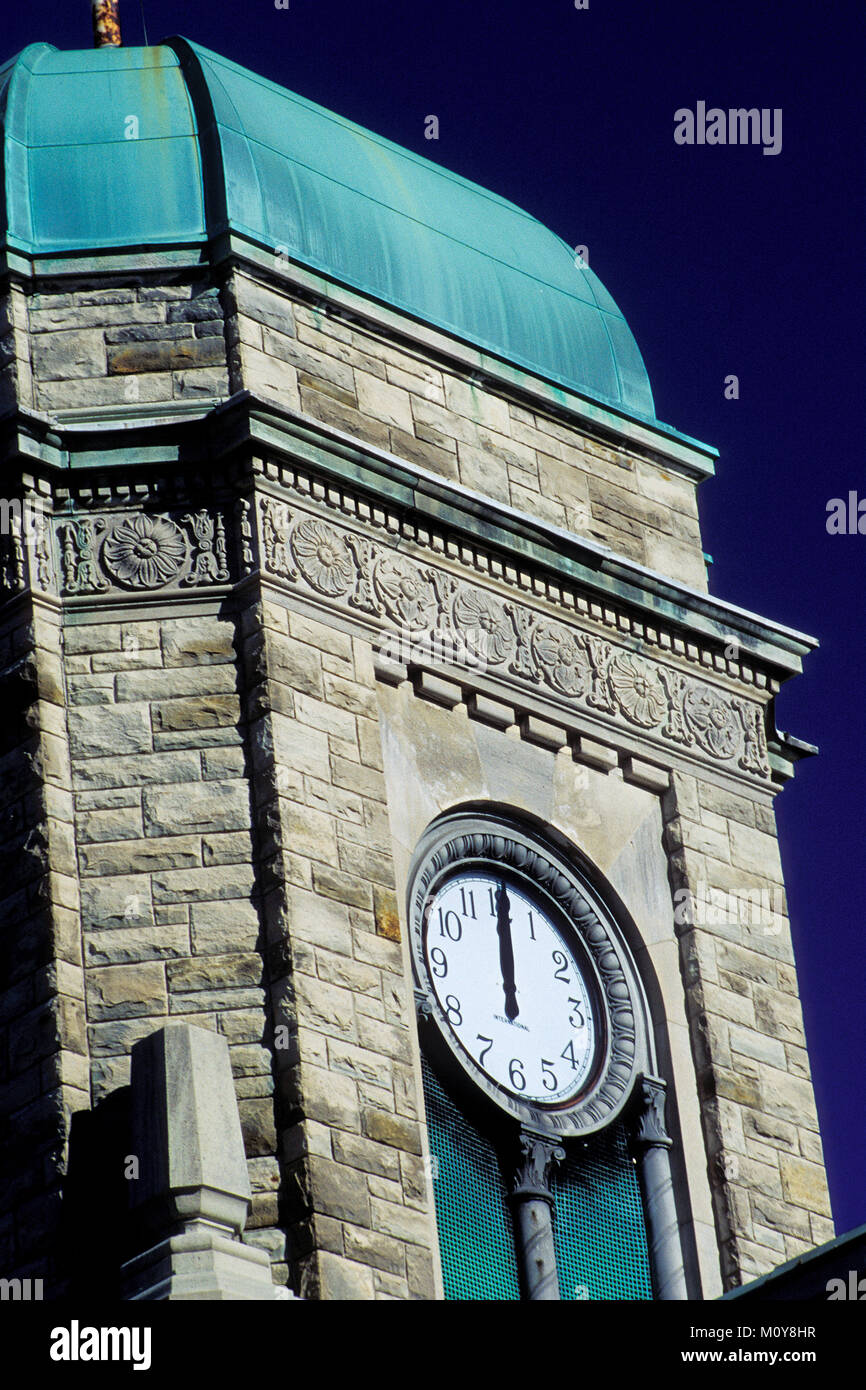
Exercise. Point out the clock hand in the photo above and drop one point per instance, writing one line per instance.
(506, 952)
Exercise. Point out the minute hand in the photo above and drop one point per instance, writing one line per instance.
(506, 952)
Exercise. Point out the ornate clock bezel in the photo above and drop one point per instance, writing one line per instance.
(478, 840)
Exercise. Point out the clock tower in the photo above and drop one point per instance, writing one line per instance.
(368, 709)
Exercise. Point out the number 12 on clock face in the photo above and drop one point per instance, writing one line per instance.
(510, 987)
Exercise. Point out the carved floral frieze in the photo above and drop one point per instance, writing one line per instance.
(436, 610)
(141, 552)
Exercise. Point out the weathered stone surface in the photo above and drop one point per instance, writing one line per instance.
(339, 1191)
(140, 856)
(382, 1252)
(59, 356)
(114, 731)
(214, 972)
(805, 1184)
(196, 807)
(393, 1130)
(198, 712)
(131, 945)
(126, 991)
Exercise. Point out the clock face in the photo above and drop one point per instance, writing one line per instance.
(510, 986)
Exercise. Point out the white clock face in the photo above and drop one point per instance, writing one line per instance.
(510, 987)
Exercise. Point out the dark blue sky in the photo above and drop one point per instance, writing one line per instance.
(723, 260)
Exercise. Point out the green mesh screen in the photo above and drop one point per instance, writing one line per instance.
(476, 1237)
(601, 1249)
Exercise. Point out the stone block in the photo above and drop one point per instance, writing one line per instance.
(490, 711)
(383, 401)
(642, 774)
(203, 885)
(484, 472)
(393, 1130)
(755, 851)
(140, 856)
(367, 1155)
(238, 969)
(403, 1223)
(369, 1247)
(116, 902)
(341, 1280)
(543, 733)
(207, 641)
(805, 1184)
(131, 945)
(586, 750)
(136, 771)
(126, 991)
(196, 712)
(116, 731)
(61, 356)
(196, 807)
(330, 1097)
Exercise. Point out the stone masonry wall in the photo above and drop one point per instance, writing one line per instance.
(43, 1046)
(348, 1107)
(393, 397)
(178, 853)
(146, 344)
(170, 926)
(760, 1123)
(126, 345)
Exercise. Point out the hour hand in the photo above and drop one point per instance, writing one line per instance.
(506, 952)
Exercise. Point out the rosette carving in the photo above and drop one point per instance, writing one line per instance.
(711, 720)
(405, 593)
(484, 621)
(562, 656)
(323, 557)
(145, 552)
(638, 690)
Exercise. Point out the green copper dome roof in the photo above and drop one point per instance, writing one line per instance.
(172, 145)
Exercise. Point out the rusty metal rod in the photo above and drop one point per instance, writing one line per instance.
(106, 24)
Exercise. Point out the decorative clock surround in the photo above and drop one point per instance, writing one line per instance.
(590, 944)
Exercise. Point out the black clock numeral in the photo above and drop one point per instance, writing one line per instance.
(479, 1037)
(567, 1054)
(547, 1071)
(531, 928)
(561, 959)
(440, 962)
(492, 903)
(578, 1009)
(452, 1007)
(452, 929)
(515, 1074)
(470, 898)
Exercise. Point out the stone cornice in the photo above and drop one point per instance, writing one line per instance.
(624, 630)
(245, 424)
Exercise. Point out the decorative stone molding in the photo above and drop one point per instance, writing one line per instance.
(515, 572)
(441, 613)
(142, 552)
